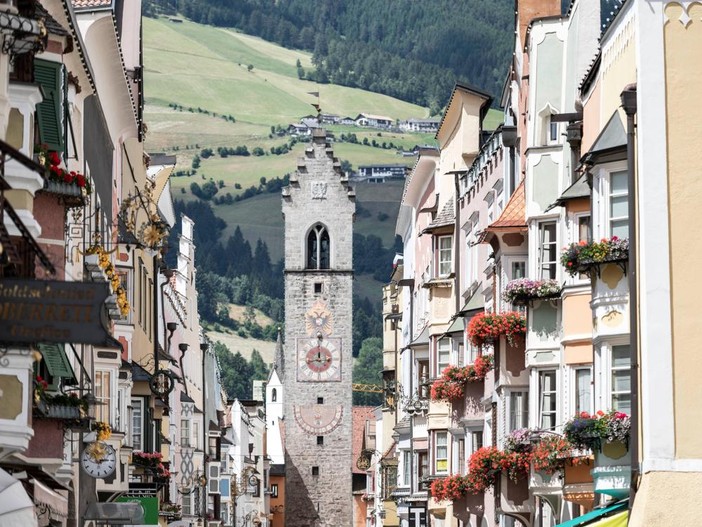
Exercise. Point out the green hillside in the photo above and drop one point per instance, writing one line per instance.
(208, 88)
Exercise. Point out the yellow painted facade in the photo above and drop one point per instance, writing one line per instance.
(683, 75)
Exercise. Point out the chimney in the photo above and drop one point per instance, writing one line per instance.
(528, 10)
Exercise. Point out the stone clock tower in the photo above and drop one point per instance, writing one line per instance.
(318, 208)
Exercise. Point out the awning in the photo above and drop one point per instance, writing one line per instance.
(115, 513)
(421, 340)
(16, 507)
(603, 514)
(476, 301)
(457, 326)
(47, 499)
(618, 520)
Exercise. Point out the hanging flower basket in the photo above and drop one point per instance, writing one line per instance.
(486, 327)
(451, 385)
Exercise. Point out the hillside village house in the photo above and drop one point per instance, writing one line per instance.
(509, 325)
(374, 121)
(380, 173)
(420, 125)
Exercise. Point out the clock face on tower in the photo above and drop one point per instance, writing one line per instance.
(318, 419)
(319, 359)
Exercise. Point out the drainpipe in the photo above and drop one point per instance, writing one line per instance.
(457, 252)
(628, 98)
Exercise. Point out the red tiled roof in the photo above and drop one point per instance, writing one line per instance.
(360, 415)
(91, 3)
(514, 215)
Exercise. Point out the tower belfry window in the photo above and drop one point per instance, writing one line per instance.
(318, 248)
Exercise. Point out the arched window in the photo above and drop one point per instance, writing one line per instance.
(318, 248)
(274, 395)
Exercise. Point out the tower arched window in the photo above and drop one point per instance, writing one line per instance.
(274, 395)
(318, 248)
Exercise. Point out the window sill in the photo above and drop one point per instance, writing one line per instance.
(444, 281)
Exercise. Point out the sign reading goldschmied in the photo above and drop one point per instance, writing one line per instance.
(53, 311)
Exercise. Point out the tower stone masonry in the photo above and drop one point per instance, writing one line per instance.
(318, 208)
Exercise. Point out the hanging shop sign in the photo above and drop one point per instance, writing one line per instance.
(53, 311)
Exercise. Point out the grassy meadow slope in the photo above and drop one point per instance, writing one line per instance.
(202, 68)
(206, 72)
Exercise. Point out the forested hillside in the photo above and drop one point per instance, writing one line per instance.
(411, 50)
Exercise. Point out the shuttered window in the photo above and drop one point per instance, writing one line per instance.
(50, 76)
(57, 364)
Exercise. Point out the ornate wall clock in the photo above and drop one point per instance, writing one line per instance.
(98, 460)
(318, 359)
(318, 319)
(318, 419)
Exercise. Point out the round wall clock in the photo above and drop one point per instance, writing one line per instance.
(319, 359)
(98, 460)
(318, 419)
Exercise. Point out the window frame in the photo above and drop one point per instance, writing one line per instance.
(103, 412)
(441, 452)
(577, 408)
(406, 468)
(540, 250)
(444, 260)
(612, 370)
(517, 419)
(601, 227)
(540, 393)
(616, 194)
(137, 402)
(443, 348)
(313, 243)
(185, 426)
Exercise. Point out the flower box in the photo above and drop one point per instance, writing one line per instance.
(451, 385)
(486, 327)
(584, 257)
(522, 291)
(60, 411)
(70, 194)
(591, 432)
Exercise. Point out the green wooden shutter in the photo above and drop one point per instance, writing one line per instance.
(49, 75)
(56, 361)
